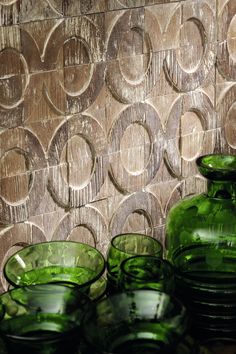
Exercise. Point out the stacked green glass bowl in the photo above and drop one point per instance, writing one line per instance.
(146, 272)
(201, 244)
(140, 321)
(124, 246)
(42, 319)
(69, 262)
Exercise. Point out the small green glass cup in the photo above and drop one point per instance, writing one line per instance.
(42, 319)
(124, 246)
(146, 272)
(140, 321)
(75, 263)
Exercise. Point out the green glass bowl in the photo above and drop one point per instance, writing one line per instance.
(124, 246)
(140, 321)
(146, 272)
(42, 318)
(55, 262)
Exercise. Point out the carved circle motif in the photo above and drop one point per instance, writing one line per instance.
(89, 39)
(14, 84)
(8, 2)
(189, 80)
(226, 113)
(145, 115)
(88, 217)
(230, 126)
(56, 5)
(79, 38)
(122, 87)
(143, 202)
(225, 62)
(191, 139)
(90, 130)
(201, 105)
(127, 3)
(23, 140)
(77, 149)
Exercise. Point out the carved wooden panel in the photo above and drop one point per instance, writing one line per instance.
(104, 107)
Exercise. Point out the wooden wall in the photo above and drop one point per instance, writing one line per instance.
(104, 106)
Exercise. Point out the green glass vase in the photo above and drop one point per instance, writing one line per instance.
(201, 244)
(141, 321)
(146, 272)
(42, 319)
(123, 246)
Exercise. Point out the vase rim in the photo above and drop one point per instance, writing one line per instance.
(217, 166)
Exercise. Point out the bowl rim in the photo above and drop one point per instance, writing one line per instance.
(157, 242)
(163, 262)
(11, 282)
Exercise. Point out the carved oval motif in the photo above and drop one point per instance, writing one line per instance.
(119, 4)
(14, 78)
(183, 80)
(7, 2)
(26, 143)
(230, 126)
(56, 5)
(146, 116)
(226, 63)
(80, 76)
(84, 69)
(63, 192)
(15, 165)
(131, 75)
(88, 218)
(198, 103)
(226, 117)
(143, 202)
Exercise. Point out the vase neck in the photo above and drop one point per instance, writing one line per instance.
(221, 189)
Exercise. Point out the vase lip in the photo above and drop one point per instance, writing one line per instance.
(156, 242)
(217, 166)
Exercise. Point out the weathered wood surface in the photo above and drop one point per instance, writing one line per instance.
(104, 106)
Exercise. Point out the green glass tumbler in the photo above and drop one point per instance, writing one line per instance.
(201, 244)
(140, 321)
(56, 262)
(42, 319)
(146, 272)
(124, 246)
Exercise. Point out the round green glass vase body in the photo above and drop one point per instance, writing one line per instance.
(201, 244)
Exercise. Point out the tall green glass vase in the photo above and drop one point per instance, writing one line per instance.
(201, 244)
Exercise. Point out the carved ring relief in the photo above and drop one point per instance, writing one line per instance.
(63, 191)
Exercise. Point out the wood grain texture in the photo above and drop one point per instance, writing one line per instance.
(104, 107)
